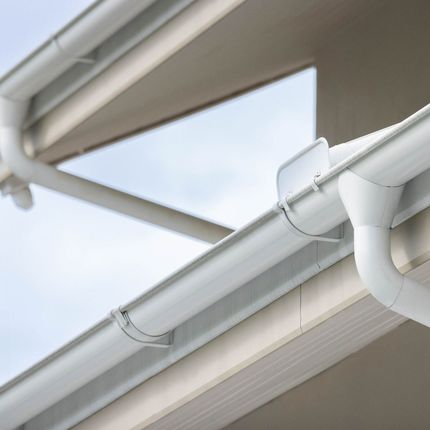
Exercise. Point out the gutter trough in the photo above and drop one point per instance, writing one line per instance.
(393, 156)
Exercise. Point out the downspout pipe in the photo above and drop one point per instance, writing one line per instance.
(69, 46)
(371, 208)
(12, 117)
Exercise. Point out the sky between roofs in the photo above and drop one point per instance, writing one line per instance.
(65, 264)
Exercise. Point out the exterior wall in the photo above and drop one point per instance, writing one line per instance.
(375, 73)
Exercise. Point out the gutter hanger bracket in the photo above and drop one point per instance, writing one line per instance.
(64, 53)
(126, 325)
(285, 208)
(294, 174)
(314, 185)
(371, 208)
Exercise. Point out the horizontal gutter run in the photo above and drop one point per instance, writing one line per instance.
(393, 156)
(141, 27)
(185, 21)
(69, 46)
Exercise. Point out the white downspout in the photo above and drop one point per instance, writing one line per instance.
(12, 116)
(371, 208)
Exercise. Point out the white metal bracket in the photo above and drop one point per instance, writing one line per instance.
(126, 325)
(283, 205)
(85, 60)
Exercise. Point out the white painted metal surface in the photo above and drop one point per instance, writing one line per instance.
(69, 46)
(391, 158)
(318, 298)
(127, 71)
(66, 49)
(144, 25)
(194, 333)
(371, 208)
(226, 266)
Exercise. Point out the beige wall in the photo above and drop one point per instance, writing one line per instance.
(376, 72)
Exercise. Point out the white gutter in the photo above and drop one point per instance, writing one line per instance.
(167, 41)
(391, 157)
(66, 48)
(69, 46)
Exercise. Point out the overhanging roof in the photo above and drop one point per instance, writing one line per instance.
(255, 43)
(43, 126)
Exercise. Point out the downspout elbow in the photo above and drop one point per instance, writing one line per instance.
(12, 117)
(371, 208)
(13, 155)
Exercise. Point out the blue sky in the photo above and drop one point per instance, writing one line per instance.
(65, 264)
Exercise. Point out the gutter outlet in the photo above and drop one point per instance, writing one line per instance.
(371, 208)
